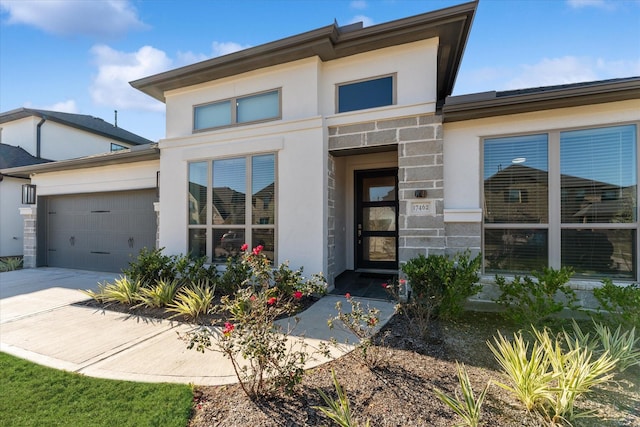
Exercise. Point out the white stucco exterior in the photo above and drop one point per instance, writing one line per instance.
(57, 141)
(299, 139)
(11, 236)
(462, 148)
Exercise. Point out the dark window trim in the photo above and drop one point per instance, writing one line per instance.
(394, 89)
(233, 102)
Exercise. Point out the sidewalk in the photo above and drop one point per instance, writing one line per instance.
(39, 322)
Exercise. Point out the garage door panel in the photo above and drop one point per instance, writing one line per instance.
(100, 231)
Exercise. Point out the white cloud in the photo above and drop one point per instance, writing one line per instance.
(571, 69)
(225, 48)
(186, 58)
(366, 21)
(116, 69)
(68, 106)
(577, 4)
(358, 4)
(106, 18)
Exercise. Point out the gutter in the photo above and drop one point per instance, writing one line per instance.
(39, 135)
(135, 154)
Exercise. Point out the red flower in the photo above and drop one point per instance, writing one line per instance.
(228, 328)
(297, 294)
(272, 300)
(258, 249)
(385, 285)
(347, 295)
(372, 321)
(402, 281)
(244, 247)
(252, 297)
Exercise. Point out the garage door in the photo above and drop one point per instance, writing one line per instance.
(99, 231)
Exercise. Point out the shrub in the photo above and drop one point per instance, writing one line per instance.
(469, 406)
(251, 333)
(159, 295)
(234, 277)
(123, 290)
(10, 263)
(528, 301)
(619, 304)
(151, 265)
(363, 323)
(338, 410)
(193, 270)
(193, 301)
(551, 378)
(441, 283)
(528, 372)
(620, 345)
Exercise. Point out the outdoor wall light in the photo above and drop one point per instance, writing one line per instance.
(28, 194)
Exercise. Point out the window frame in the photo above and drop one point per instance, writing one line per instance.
(555, 226)
(233, 105)
(248, 227)
(117, 147)
(394, 91)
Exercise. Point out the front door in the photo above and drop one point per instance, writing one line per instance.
(376, 219)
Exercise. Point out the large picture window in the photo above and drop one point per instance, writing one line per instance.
(239, 110)
(221, 216)
(566, 198)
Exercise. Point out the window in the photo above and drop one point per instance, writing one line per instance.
(239, 110)
(366, 94)
(117, 147)
(565, 198)
(221, 216)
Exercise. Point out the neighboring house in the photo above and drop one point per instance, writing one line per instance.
(341, 149)
(29, 137)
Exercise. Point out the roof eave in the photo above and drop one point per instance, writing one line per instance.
(539, 101)
(136, 154)
(451, 25)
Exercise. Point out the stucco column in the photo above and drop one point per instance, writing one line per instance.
(156, 208)
(29, 215)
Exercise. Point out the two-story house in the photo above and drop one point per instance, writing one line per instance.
(340, 149)
(32, 136)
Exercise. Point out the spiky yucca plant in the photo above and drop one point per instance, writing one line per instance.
(338, 410)
(193, 301)
(529, 375)
(160, 295)
(123, 290)
(468, 407)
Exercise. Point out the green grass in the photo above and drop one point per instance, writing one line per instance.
(33, 395)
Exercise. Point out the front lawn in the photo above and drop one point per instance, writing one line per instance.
(33, 395)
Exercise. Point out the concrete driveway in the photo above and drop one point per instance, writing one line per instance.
(40, 322)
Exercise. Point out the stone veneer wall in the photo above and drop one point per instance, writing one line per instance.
(419, 145)
(331, 219)
(29, 216)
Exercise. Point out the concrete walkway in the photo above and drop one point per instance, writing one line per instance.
(39, 322)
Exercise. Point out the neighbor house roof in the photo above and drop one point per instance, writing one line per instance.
(129, 155)
(450, 25)
(491, 104)
(11, 157)
(79, 121)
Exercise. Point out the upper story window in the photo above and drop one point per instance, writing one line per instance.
(364, 94)
(239, 110)
(117, 147)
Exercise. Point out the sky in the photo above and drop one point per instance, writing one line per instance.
(78, 56)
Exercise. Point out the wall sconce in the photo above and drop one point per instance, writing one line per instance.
(420, 194)
(28, 194)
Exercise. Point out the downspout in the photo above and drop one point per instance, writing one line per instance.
(38, 136)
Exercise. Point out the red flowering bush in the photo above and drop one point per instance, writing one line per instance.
(256, 346)
(362, 323)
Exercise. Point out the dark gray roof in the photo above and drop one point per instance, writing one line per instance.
(491, 104)
(450, 25)
(79, 121)
(11, 157)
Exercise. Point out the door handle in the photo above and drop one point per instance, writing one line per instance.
(130, 241)
(72, 240)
